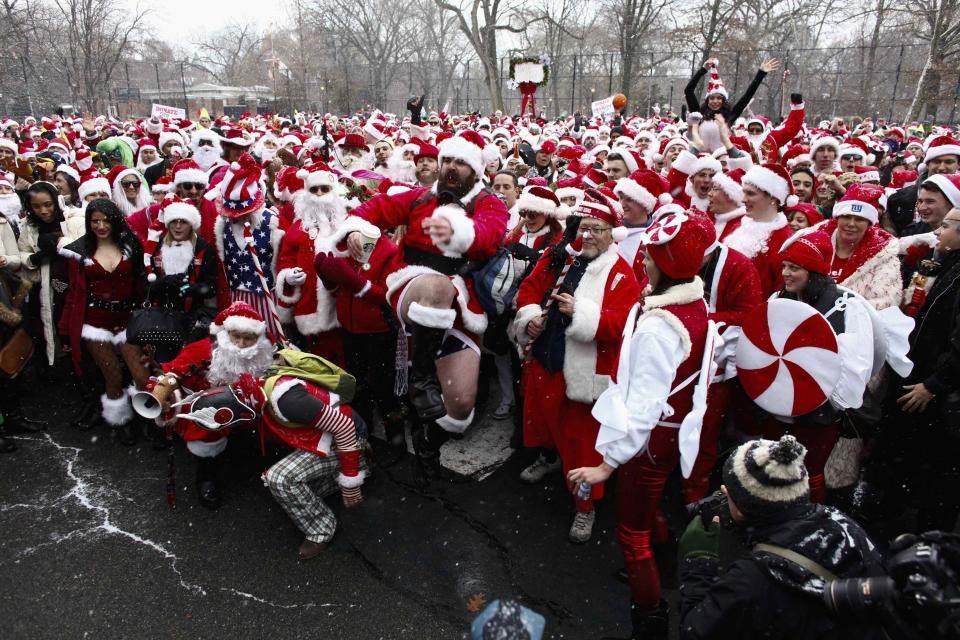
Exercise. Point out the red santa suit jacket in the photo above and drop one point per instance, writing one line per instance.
(604, 296)
(363, 312)
(479, 223)
(768, 148)
(733, 288)
(191, 367)
(761, 242)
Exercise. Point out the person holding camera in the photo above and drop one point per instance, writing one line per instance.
(796, 549)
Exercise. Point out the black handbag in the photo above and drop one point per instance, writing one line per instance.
(156, 326)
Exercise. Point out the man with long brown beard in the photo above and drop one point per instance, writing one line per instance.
(239, 345)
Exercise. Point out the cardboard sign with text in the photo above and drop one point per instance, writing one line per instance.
(603, 107)
(168, 113)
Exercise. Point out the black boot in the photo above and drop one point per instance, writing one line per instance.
(652, 624)
(423, 384)
(426, 445)
(127, 432)
(6, 444)
(17, 421)
(208, 489)
(393, 426)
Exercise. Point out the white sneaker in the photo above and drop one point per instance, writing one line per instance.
(539, 469)
(582, 528)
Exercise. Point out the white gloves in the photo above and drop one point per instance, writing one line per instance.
(296, 277)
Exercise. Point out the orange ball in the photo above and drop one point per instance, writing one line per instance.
(619, 101)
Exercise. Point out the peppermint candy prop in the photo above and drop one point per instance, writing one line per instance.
(788, 358)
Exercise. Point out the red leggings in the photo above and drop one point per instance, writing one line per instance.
(697, 485)
(819, 439)
(639, 487)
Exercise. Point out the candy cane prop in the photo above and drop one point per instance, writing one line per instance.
(248, 236)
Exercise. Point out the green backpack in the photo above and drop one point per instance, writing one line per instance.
(307, 366)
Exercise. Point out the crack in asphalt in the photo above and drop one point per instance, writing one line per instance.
(90, 497)
(502, 549)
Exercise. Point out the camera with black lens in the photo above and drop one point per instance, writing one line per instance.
(918, 598)
(714, 505)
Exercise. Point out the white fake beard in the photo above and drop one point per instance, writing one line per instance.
(321, 212)
(10, 206)
(120, 199)
(352, 163)
(176, 256)
(400, 170)
(756, 141)
(230, 361)
(266, 155)
(206, 157)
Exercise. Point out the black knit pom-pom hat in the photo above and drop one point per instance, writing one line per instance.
(765, 475)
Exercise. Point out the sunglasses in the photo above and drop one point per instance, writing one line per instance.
(132, 184)
(204, 143)
(594, 231)
(529, 215)
(320, 188)
(193, 186)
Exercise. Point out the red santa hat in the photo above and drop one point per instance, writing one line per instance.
(809, 210)
(867, 174)
(794, 155)
(772, 179)
(240, 317)
(316, 175)
(813, 251)
(630, 158)
(645, 187)
(598, 206)
(164, 184)
(714, 82)
(729, 182)
(570, 187)
(901, 178)
(949, 185)
(91, 183)
(548, 147)
(861, 200)
(666, 143)
(469, 147)
(10, 145)
(353, 141)
(677, 241)
(541, 200)
(287, 183)
(941, 146)
(188, 170)
(168, 136)
(240, 188)
(426, 150)
(153, 125)
(595, 177)
(7, 179)
(174, 208)
(858, 148)
(83, 160)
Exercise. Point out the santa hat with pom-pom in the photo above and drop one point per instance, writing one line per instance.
(813, 251)
(714, 82)
(598, 206)
(174, 208)
(240, 317)
(316, 175)
(645, 187)
(154, 236)
(570, 188)
(772, 179)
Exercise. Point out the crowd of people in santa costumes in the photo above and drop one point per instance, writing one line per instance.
(632, 287)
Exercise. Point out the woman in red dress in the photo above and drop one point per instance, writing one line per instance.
(106, 282)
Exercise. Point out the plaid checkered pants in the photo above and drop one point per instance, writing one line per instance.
(299, 482)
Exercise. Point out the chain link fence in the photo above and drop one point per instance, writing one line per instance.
(835, 81)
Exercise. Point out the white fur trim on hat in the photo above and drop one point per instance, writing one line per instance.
(768, 181)
(181, 211)
(824, 141)
(93, 185)
(948, 188)
(459, 148)
(569, 192)
(529, 202)
(628, 188)
(7, 143)
(68, 170)
(190, 175)
(856, 208)
(241, 324)
(942, 150)
(317, 178)
(729, 186)
(707, 163)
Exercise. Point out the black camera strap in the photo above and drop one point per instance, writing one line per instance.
(796, 558)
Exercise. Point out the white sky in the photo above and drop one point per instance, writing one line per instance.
(178, 21)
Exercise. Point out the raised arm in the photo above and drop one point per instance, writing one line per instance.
(768, 66)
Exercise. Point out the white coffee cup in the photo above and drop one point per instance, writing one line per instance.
(368, 240)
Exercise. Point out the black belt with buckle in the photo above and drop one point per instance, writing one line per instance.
(109, 305)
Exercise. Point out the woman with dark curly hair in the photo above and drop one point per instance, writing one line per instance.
(106, 281)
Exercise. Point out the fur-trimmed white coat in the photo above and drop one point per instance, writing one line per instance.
(604, 296)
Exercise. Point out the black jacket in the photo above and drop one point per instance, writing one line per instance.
(192, 291)
(766, 596)
(902, 204)
(935, 339)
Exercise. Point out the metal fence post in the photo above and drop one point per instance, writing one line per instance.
(610, 78)
(736, 73)
(896, 85)
(183, 86)
(573, 85)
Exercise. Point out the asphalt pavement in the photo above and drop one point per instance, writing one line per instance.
(89, 548)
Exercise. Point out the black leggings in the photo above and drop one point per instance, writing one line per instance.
(370, 358)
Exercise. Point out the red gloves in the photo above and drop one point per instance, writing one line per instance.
(338, 272)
